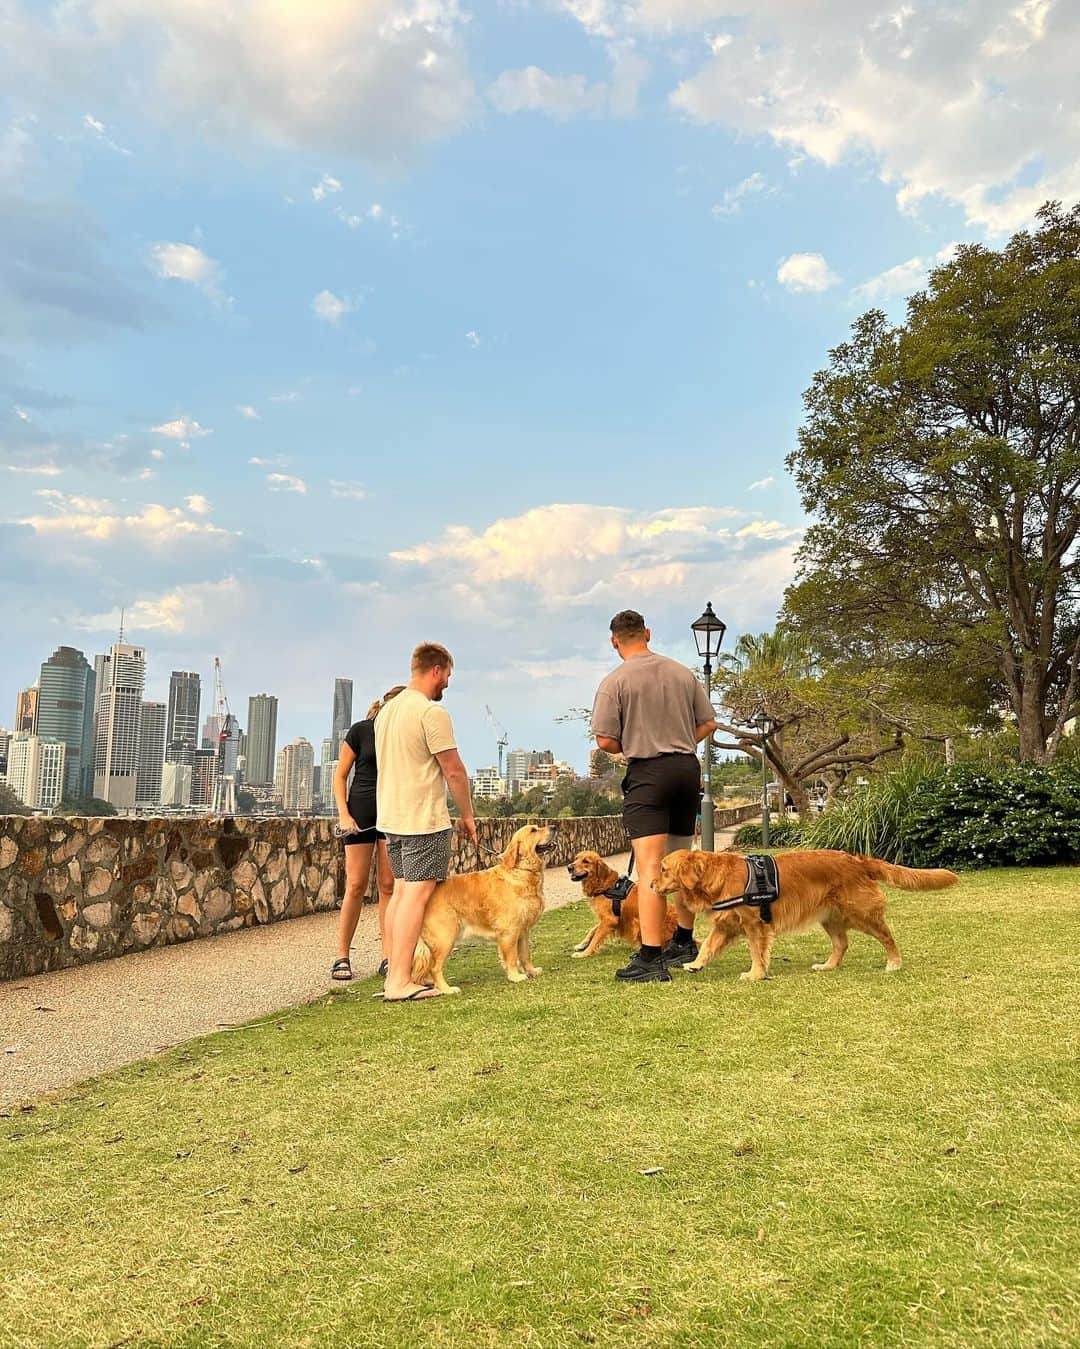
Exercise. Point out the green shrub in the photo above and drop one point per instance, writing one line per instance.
(927, 815)
(782, 834)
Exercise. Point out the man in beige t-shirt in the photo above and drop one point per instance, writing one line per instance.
(418, 760)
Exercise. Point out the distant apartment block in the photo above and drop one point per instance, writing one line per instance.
(152, 724)
(261, 739)
(119, 706)
(35, 770)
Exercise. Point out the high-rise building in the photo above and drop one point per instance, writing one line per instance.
(5, 738)
(487, 785)
(36, 770)
(116, 754)
(152, 721)
(176, 784)
(211, 732)
(261, 739)
(182, 730)
(342, 712)
(297, 775)
(26, 711)
(204, 775)
(65, 711)
(328, 762)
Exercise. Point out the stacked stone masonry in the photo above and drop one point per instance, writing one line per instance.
(75, 890)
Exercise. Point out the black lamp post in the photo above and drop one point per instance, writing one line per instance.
(708, 632)
(762, 722)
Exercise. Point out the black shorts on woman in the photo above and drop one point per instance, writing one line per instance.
(362, 808)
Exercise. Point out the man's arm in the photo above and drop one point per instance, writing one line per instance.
(706, 729)
(457, 779)
(608, 744)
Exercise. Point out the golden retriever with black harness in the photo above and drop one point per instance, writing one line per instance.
(836, 889)
(502, 903)
(596, 879)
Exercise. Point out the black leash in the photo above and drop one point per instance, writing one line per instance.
(622, 887)
(762, 887)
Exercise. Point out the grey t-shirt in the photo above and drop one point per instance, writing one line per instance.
(651, 705)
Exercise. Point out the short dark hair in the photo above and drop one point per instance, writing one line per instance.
(627, 624)
(430, 654)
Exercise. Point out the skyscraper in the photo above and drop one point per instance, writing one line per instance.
(116, 754)
(261, 739)
(297, 779)
(182, 731)
(152, 718)
(342, 712)
(211, 732)
(204, 775)
(35, 770)
(26, 711)
(176, 784)
(65, 711)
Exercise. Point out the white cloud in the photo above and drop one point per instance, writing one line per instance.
(756, 185)
(185, 262)
(330, 307)
(21, 413)
(565, 96)
(803, 272)
(98, 129)
(37, 470)
(198, 505)
(371, 79)
(351, 491)
(184, 608)
(248, 412)
(472, 337)
(183, 429)
(902, 279)
(971, 103)
(285, 482)
(325, 187)
(761, 483)
(89, 519)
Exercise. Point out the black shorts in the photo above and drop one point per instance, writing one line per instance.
(662, 795)
(363, 812)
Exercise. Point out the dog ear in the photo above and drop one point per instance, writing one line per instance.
(512, 855)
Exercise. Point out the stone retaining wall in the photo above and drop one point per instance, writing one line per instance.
(74, 890)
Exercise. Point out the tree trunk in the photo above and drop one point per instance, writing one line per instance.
(1030, 718)
(798, 792)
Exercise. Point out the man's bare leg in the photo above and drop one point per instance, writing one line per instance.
(648, 854)
(404, 921)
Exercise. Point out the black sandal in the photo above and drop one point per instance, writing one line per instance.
(384, 966)
(341, 969)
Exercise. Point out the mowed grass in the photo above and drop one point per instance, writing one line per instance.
(846, 1159)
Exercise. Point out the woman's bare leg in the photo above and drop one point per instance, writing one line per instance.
(357, 874)
(384, 878)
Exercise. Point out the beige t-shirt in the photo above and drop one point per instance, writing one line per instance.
(411, 791)
(651, 705)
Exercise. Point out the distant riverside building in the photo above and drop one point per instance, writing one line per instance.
(152, 721)
(65, 711)
(211, 732)
(35, 770)
(519, 763)
(182, 730)
(204, 775)
(26, 711)
(342, 713)
(297, 775)
(488, 785)
(5, 738)
(116, 756)
(261, 739)
(176, 784)
(328, 763)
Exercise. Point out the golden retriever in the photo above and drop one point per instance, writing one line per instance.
(502, 903)
(836, 889)
(596, 876)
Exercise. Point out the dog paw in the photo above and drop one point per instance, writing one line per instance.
(450, 988)
(693, 967)
(576, 954)
(892, 966)
(535, 972)
(750, 977)
(516, 977)
(823, 966)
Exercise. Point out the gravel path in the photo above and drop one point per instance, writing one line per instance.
(59, 1028)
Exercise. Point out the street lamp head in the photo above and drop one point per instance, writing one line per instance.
(708, 632)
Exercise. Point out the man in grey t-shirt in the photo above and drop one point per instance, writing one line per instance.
(654, 711)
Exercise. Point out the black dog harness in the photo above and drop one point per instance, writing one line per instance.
(762, 887)
(622, 887)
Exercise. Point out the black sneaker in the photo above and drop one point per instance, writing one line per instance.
(677, 953)
(643, 971)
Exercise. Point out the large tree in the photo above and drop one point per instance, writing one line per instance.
(940, 460)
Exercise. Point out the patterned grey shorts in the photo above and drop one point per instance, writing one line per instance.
(420, 857)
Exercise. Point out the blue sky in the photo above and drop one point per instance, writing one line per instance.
(331, 327)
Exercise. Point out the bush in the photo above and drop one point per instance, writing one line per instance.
(782, 834)
(927, 816)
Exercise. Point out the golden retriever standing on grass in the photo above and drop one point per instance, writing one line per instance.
(836, 889)
(502, 903)
(596, 876)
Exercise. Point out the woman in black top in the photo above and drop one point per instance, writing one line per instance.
(356, 825)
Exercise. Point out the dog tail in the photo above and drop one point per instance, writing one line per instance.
(910, 878)
(421, 966)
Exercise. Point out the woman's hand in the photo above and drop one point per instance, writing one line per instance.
(347, 825)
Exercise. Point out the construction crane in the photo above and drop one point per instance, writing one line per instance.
(501, 737)
(225, 782)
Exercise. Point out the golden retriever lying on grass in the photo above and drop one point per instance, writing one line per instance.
(836, 889)
(596, 876)
(502, 903)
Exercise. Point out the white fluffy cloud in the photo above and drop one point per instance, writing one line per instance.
(350, 491)
(285, 482)
(185, 262)
(248, 412)
(184, 608)
(370, 78)
(802, 272)
(974, 103)
(331, 308)
(91, 519)
(755, 185)
(562, 97)
(902, 279)
(183, 429)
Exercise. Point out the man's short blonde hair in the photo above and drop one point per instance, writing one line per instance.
(429, 654)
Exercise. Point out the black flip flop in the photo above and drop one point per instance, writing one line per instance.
(345, 967)
(417, 995)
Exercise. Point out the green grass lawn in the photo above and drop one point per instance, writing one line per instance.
(846, 1159)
